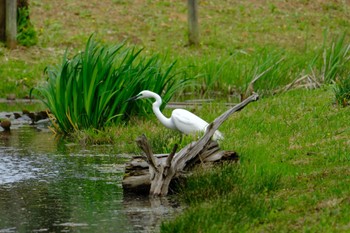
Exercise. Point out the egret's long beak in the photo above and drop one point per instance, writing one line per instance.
(132, 98)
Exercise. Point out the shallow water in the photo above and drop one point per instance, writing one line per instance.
(47, 185)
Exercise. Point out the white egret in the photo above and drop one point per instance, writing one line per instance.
(181, 119)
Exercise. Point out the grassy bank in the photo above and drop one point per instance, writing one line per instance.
(293, 174)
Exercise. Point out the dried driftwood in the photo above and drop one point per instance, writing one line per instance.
(306, 81)
(157, 173)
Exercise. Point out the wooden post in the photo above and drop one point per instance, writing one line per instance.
(193, 34)
(2, 20)
(11, 23)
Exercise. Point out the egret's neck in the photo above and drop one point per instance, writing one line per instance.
(167, 122)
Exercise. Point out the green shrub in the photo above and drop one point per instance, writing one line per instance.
(90, 90)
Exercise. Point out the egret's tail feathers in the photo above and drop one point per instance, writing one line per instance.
(218, 136)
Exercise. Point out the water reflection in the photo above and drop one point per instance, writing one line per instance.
(146, 213)
(49, 186)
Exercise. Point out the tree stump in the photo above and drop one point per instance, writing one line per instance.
(155, 172)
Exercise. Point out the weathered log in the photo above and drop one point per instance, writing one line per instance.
(137, 178)
(163, 169)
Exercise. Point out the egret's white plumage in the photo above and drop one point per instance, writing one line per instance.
(181, 119)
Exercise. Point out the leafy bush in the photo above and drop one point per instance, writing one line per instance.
(90, 90)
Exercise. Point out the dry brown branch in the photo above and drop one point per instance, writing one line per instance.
(306, 81)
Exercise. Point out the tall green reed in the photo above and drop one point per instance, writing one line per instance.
(267, 71)
(90, 90)
(332, 61)
(334, 67)
(336, 58)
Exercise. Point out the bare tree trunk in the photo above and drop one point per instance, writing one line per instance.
(11, 23)
(2, 20)
(193, 34)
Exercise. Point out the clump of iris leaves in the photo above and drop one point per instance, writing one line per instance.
(90, 89)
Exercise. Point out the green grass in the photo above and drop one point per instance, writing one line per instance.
(231, 74)
(124, 136)
(292, 176)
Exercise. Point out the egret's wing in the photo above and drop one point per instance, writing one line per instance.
(187, 122)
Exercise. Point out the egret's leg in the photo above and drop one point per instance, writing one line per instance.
(181, 139)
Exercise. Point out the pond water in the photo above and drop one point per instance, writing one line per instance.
(47, 185)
